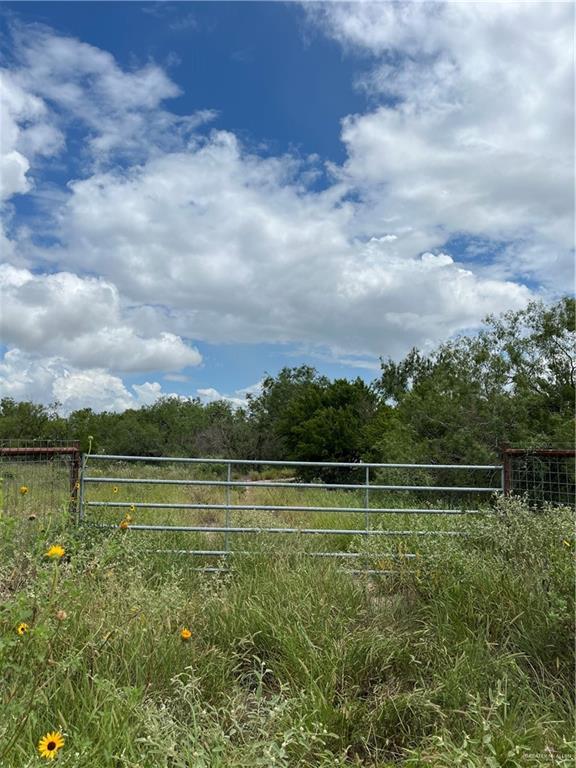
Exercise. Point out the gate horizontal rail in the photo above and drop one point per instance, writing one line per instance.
(286, 507)
(305, 531)
(228, 505)
(272, 484)
(245, 552)
(275, 463)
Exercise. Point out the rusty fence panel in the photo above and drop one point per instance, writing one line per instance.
(45, 474)
(541, 475)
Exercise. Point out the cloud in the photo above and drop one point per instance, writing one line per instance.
(80, 82)
(25, 132)
(238, 400)
(13, 170)
(241, 252)
(51, 379)
(475, 123)
(81, 320)
(171, 14)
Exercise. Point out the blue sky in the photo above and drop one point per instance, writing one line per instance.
(196, 194)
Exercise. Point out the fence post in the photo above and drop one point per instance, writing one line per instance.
(74, 482)
(506, 470)
(367, 498)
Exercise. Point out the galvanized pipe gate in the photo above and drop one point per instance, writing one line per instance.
(227, 507)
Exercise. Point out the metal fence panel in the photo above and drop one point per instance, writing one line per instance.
(541, 475)
(42, 475)
(225, 500)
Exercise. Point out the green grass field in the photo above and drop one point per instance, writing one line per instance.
(462, 656)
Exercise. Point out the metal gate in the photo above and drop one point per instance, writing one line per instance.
(342, 500)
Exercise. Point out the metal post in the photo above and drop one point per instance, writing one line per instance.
(81, 502)
(506, 484)
(228, 479)
(367, 498)
(74, 482)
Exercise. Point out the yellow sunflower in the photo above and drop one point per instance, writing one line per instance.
(185, 634)
(124, 524)
(23, 490)
(115, 489)
(22, 628)
(55, 551)
(49, 745)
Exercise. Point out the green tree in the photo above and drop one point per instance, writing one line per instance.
(83, 424)
(512, 382)
(267, 410)
(177, 422)
(326, 421)
(30, 421)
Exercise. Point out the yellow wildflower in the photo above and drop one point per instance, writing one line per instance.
(22, 628)
(185, 634)
(23, 490)
(49, 745)
(55, 551)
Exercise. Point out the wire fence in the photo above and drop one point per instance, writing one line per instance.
(542, 476)
(39, 477)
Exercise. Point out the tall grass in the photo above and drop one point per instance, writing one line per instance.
(462, 656)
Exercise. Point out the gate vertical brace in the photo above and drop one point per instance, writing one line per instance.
(367, 498)
(228, 480)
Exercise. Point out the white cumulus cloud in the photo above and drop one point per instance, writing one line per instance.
(81, 320)
(238, 400)
(52, 380)
(25, 132)
(474, 132)
(241, 252)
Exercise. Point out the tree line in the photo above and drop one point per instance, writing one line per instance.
(511, 382)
